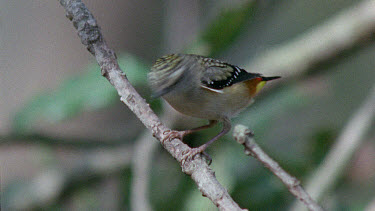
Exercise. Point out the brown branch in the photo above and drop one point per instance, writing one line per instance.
(245, 137)
(66, 142)
(329, 171)
(51, 184)
(370, 206)
(197, 168)
(343, 31)
(141, 165)
(142, 161)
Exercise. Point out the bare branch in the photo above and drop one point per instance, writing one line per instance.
(142, 159)
(311, 54)
(245, 137)
(47, 187)
(68, 142)
(342, 151)
(197, 168)
(323, 42)
(370, 206)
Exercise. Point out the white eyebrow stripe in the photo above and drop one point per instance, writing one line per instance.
(211, 89)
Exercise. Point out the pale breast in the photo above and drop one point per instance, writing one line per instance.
(206, 104)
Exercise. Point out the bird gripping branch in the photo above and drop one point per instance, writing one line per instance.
(205, 88)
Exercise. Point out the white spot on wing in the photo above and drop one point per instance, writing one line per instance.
(211, 89)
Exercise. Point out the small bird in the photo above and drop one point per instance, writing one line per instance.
(206, 88)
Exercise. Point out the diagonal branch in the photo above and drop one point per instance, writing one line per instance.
(326, 175)
(141, 166)
(197, 168)
(52, 184)
(349, 28)
(244, 136)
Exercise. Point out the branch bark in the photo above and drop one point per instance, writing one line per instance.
(320, 44)
(197, 168)
(245, 137)
(338, 157)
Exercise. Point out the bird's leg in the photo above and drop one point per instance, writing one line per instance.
(194, 151)
(180, 134)
(209, 125)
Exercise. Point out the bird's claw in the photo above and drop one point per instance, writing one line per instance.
(191, 153)
(207, 157)
(174, 134)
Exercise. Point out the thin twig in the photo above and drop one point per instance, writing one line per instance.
(141, 165)
(145, 146)
(66, 142)
(244, 136)
(197, 168)
(49, 186)
(370, 206)
(323, 42)
(342, 151)
(142, 159)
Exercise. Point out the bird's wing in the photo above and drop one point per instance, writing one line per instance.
(165, 74)
(173, 70)
(218, 75)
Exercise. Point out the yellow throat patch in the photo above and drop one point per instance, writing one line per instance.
(259, 86)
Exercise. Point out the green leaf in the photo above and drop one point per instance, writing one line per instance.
(85, 92)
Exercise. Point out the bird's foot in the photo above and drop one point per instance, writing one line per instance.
(191, 153)
(172, 134)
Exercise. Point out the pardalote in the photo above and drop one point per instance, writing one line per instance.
(206, 88)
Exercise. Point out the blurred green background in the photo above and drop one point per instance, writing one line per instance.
(67, 142)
